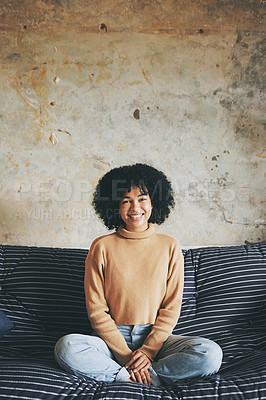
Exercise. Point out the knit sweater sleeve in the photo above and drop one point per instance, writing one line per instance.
(169, 311)
(98, 310)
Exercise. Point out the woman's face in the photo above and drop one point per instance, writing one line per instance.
(135, 209)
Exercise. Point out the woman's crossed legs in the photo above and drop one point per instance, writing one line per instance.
(180, 357)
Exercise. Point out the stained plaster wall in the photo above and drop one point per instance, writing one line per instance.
(87, 86)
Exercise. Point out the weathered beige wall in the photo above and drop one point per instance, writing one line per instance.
(89, 85)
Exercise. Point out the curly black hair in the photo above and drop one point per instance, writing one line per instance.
(116, 182)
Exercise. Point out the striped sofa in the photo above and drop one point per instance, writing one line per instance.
(42, 298)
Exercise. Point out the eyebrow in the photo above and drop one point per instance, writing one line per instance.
(128, 197)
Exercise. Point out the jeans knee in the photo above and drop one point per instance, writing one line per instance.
(63, 347)
(212, 354)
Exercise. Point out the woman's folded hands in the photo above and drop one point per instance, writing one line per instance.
(137, 366)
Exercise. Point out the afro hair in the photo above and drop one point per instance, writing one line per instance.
(115, 183)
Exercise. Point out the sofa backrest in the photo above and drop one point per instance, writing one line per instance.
(226, 299)
(43, 288)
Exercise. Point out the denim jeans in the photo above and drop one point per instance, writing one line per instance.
(180, 357)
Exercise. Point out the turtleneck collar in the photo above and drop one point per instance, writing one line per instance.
(137, 235)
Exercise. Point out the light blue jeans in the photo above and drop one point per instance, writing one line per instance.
(180, 357)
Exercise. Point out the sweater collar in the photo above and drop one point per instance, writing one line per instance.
(137, 235)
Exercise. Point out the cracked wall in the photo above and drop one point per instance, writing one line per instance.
(87, 86)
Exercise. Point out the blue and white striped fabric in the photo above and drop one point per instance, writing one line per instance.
(42, 294)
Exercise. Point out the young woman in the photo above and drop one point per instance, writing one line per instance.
(133, 286)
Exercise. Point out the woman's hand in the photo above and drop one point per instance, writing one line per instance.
(138, 367)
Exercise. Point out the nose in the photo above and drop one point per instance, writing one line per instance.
(134, 205)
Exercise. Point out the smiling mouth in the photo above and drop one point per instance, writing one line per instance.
(135, 217)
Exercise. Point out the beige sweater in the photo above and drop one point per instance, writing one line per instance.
(134, 278)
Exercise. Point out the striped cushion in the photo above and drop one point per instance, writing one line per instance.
(230, 296)
(48, 285)
(42, 293)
